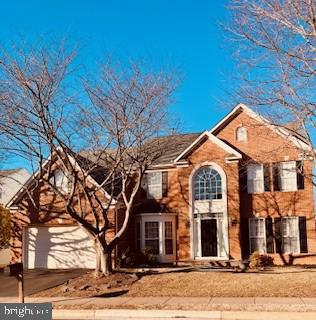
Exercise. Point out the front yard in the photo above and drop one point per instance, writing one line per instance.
(277, 282)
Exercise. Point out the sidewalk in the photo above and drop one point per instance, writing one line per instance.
(179, 303)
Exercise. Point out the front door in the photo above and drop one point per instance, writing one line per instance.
(209, 238)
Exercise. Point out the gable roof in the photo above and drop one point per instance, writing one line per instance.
(22, 189)
(233, 154)
(176, 146)
(297, 139)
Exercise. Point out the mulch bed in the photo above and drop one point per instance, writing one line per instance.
(89, 286)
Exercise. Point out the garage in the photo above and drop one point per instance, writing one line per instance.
(57, 247)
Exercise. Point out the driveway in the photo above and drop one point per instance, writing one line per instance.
(36, 280)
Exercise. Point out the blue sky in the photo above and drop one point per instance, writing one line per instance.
(184, 34)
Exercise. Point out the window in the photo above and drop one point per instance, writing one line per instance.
(157, 184)
(241, 134)
(257, 235)
(168, 238)
(290, 235)
(152, 236)
(258, 178)
(207, 184)
(288, 176)
(154, 181)
(157, 232)
(60, 181)
(255, 178)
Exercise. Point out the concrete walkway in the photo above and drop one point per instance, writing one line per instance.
(178, 303)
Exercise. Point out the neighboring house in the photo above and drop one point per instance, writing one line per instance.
(220, 195)
(10, 182)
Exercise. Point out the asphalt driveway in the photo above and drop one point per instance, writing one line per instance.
(36, 280)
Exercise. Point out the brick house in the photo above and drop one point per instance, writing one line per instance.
(240, 187)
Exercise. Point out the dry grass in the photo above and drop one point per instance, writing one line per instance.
(279, 283)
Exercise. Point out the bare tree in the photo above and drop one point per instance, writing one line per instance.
(100, 146)
(275, 47)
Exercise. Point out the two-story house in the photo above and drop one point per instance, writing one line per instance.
(243, 186)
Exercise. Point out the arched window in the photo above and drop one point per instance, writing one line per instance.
(241, 134)
(207, 184)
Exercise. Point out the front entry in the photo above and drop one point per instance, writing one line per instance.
(209, 238)
(209, 220)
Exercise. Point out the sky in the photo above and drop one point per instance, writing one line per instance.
(184, 34)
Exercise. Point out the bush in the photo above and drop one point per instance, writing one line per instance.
(130, 258)
(4, 228)
(257, 260)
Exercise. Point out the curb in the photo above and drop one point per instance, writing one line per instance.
(211, 315)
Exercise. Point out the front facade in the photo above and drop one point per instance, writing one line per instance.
(242, 186)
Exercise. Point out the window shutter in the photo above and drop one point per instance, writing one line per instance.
(300, 175)
(269, 235)
(243, 178)
(276, 177)
(278, 234)
(266, 176)
(144, 185)
(165, 183)
(244, 235)
(303, 234)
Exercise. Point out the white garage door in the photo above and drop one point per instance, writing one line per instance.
(61, 247)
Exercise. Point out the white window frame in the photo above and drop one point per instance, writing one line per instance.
(161, 218)
(241, 134)
(288, 176)
(156, 186)
(292, 238)
(261, 243)
(255, 185)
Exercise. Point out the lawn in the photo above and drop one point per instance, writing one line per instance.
(278, 282)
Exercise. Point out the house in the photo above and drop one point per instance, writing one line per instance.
(242, 186)
(10, 182)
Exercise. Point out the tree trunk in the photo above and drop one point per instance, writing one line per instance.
(97, 270)
(106, 262)
(103, 260)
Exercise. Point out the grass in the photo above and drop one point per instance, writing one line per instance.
(280, 282)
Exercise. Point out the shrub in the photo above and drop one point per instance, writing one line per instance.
(257, 260)
(4, 228)
(130, 258)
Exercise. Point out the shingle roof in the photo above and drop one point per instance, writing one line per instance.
(172, 146)
(169, 148)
